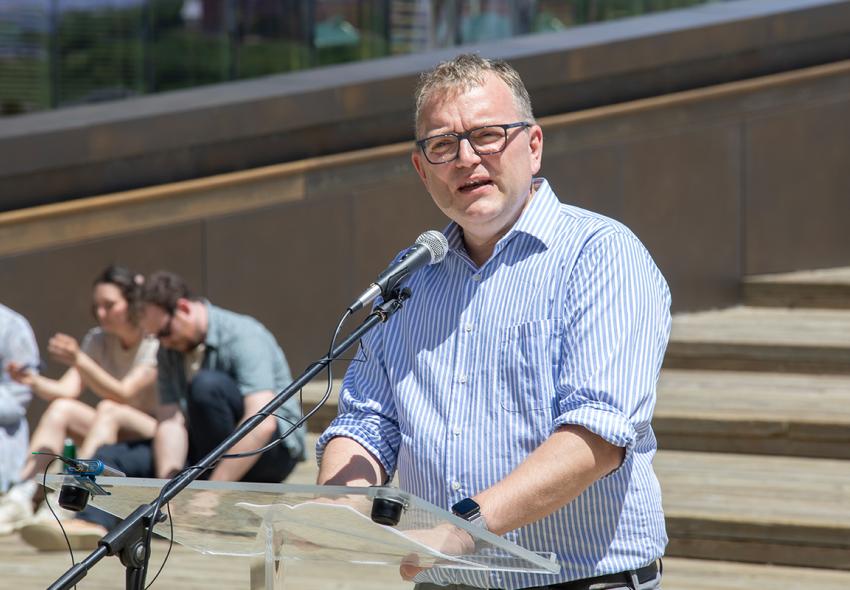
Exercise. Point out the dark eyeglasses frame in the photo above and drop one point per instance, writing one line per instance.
(465, 135)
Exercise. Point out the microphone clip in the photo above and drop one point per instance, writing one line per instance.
(392, 303)
(79, 482)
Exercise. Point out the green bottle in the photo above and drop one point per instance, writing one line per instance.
(69, 451)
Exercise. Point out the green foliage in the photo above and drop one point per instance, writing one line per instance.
(182, 59)
(23, 86)
(270, 56)
(100, 54)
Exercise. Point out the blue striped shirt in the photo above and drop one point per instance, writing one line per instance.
(566, 323)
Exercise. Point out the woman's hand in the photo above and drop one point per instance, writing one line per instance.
(23, 374)
(64, 349)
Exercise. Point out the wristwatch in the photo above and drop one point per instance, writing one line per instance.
(469, 510)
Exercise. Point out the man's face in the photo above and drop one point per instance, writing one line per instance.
(177, 331)
(483, 194)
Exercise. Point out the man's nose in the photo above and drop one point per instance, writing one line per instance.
(465, 154)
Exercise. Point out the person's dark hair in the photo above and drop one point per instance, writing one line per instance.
(130, 284)
(163, 288)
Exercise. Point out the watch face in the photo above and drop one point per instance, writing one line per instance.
(466, 508)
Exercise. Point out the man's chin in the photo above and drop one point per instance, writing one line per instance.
(182, 347)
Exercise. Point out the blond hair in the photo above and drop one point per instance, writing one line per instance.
(467, 71)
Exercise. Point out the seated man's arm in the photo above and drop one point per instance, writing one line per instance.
(171, 441)
(235, 469)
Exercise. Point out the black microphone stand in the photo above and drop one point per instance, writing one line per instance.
(128, 538)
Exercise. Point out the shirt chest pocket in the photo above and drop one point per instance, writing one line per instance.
(528, 361)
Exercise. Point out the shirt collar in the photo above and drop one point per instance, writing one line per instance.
(213, 337)
(535, 220)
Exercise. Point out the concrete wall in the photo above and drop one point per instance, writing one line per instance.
(102, 148)
(743, 178)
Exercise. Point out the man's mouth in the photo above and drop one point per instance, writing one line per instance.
(471, 185)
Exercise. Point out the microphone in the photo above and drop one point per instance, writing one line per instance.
(430, 248)
(92, 468)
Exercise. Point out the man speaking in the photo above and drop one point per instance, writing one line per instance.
(518, 384)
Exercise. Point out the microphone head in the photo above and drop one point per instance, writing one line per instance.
(436, 243)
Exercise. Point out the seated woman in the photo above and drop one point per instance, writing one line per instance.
(116, 362)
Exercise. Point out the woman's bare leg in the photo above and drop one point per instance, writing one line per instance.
(61, 419)
(114, 422)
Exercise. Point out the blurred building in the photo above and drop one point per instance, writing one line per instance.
(56, 53)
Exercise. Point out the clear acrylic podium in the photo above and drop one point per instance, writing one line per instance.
(273, 523)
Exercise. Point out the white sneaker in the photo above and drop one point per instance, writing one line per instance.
(43, 514)
(15, 512)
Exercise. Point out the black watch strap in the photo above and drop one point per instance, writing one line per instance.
(469, 510)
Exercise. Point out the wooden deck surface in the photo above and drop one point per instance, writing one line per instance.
(23, 568)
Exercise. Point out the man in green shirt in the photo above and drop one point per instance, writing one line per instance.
(216, 369)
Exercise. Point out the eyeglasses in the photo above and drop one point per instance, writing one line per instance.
(484, 141)
(165, 331)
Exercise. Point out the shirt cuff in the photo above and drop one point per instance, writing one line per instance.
(356, 428)
(603, 420)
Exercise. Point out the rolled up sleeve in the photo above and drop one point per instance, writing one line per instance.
(618, 323)
(367, 412)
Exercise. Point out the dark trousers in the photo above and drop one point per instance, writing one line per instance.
(215, 407)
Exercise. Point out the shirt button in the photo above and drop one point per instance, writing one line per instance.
(476, 278)
(462, 378)
(468, 327)
(455, 485)
(456, 430)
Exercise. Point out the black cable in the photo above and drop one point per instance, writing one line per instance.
(170, 545)
(148, 540)
(53, 512)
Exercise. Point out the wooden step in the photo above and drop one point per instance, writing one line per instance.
(762, 339)
(725, 411)
(756, 508)
(702, 574)
(824, 288)
(752, 412)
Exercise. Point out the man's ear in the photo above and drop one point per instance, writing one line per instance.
(183, 305)
(535, 144)
(419, 164)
